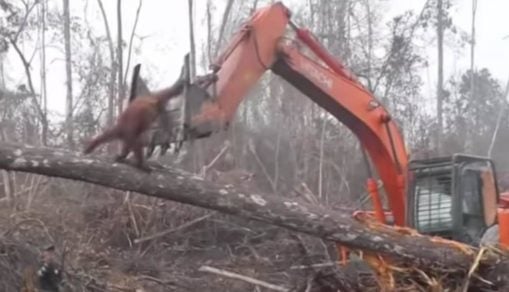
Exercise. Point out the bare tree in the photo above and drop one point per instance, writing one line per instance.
(44, 94)
(68, 73)
(111, 87)
(226, 16)
(209, 30)
(499, 120)
(320, 166)
(370, 43)
(472, 45)
(197, 147)
(191, 39)
(120, 57)
(276, 161)
(13, 40)
(440, 82)
(2, 71)
(469, 141)
(131, 39)
(7, 179)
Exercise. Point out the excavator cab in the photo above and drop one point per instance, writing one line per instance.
(452, 197)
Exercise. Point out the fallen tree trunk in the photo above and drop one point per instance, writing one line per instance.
(176, 185)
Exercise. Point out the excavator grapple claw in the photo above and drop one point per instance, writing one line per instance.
(178, 111)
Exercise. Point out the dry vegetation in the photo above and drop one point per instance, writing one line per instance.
(117, 241)
(99, 229)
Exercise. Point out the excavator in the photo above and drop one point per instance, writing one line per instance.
(454, 197)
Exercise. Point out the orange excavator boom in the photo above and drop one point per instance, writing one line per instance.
(270, 41)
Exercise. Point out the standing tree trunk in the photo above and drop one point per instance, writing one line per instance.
(196, 145)
(226, 15)
(8, 187)
(7, 178)
(131, 39)
(120, 57)
(111, 86)
(2, 71)
(13, 40)
(191, 41)
(503, 109)
(472, 46)
(440, 84)
(276, 161)
(68, 73)
(44, 94)
(320, 163)
(33, 94)
(370, 44)
(209, 31)
(469, 141)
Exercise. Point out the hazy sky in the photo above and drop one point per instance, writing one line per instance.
(164, 24)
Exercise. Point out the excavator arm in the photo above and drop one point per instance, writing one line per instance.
(270, 41)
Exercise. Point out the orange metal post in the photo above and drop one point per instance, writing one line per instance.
(375, 198)
(342, 253)
(503, 226)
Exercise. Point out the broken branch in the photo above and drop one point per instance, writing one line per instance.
(166, 232)
(243, 278)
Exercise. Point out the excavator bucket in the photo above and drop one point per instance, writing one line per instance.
(178, 111)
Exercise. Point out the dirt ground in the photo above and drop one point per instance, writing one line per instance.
(98, 228)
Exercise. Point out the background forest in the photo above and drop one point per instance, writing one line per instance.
(64, 73)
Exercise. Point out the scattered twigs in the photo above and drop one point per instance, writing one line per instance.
(26, 221)
(242, 278)
(474, 266)
(35, 188)
(8, 186)
(166, 232)
(319, 265)
(161, 281)
(131, 213)
(206, 168)
(252, 148)
(311, 198)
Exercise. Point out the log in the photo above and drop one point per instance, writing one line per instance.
(171, 183)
